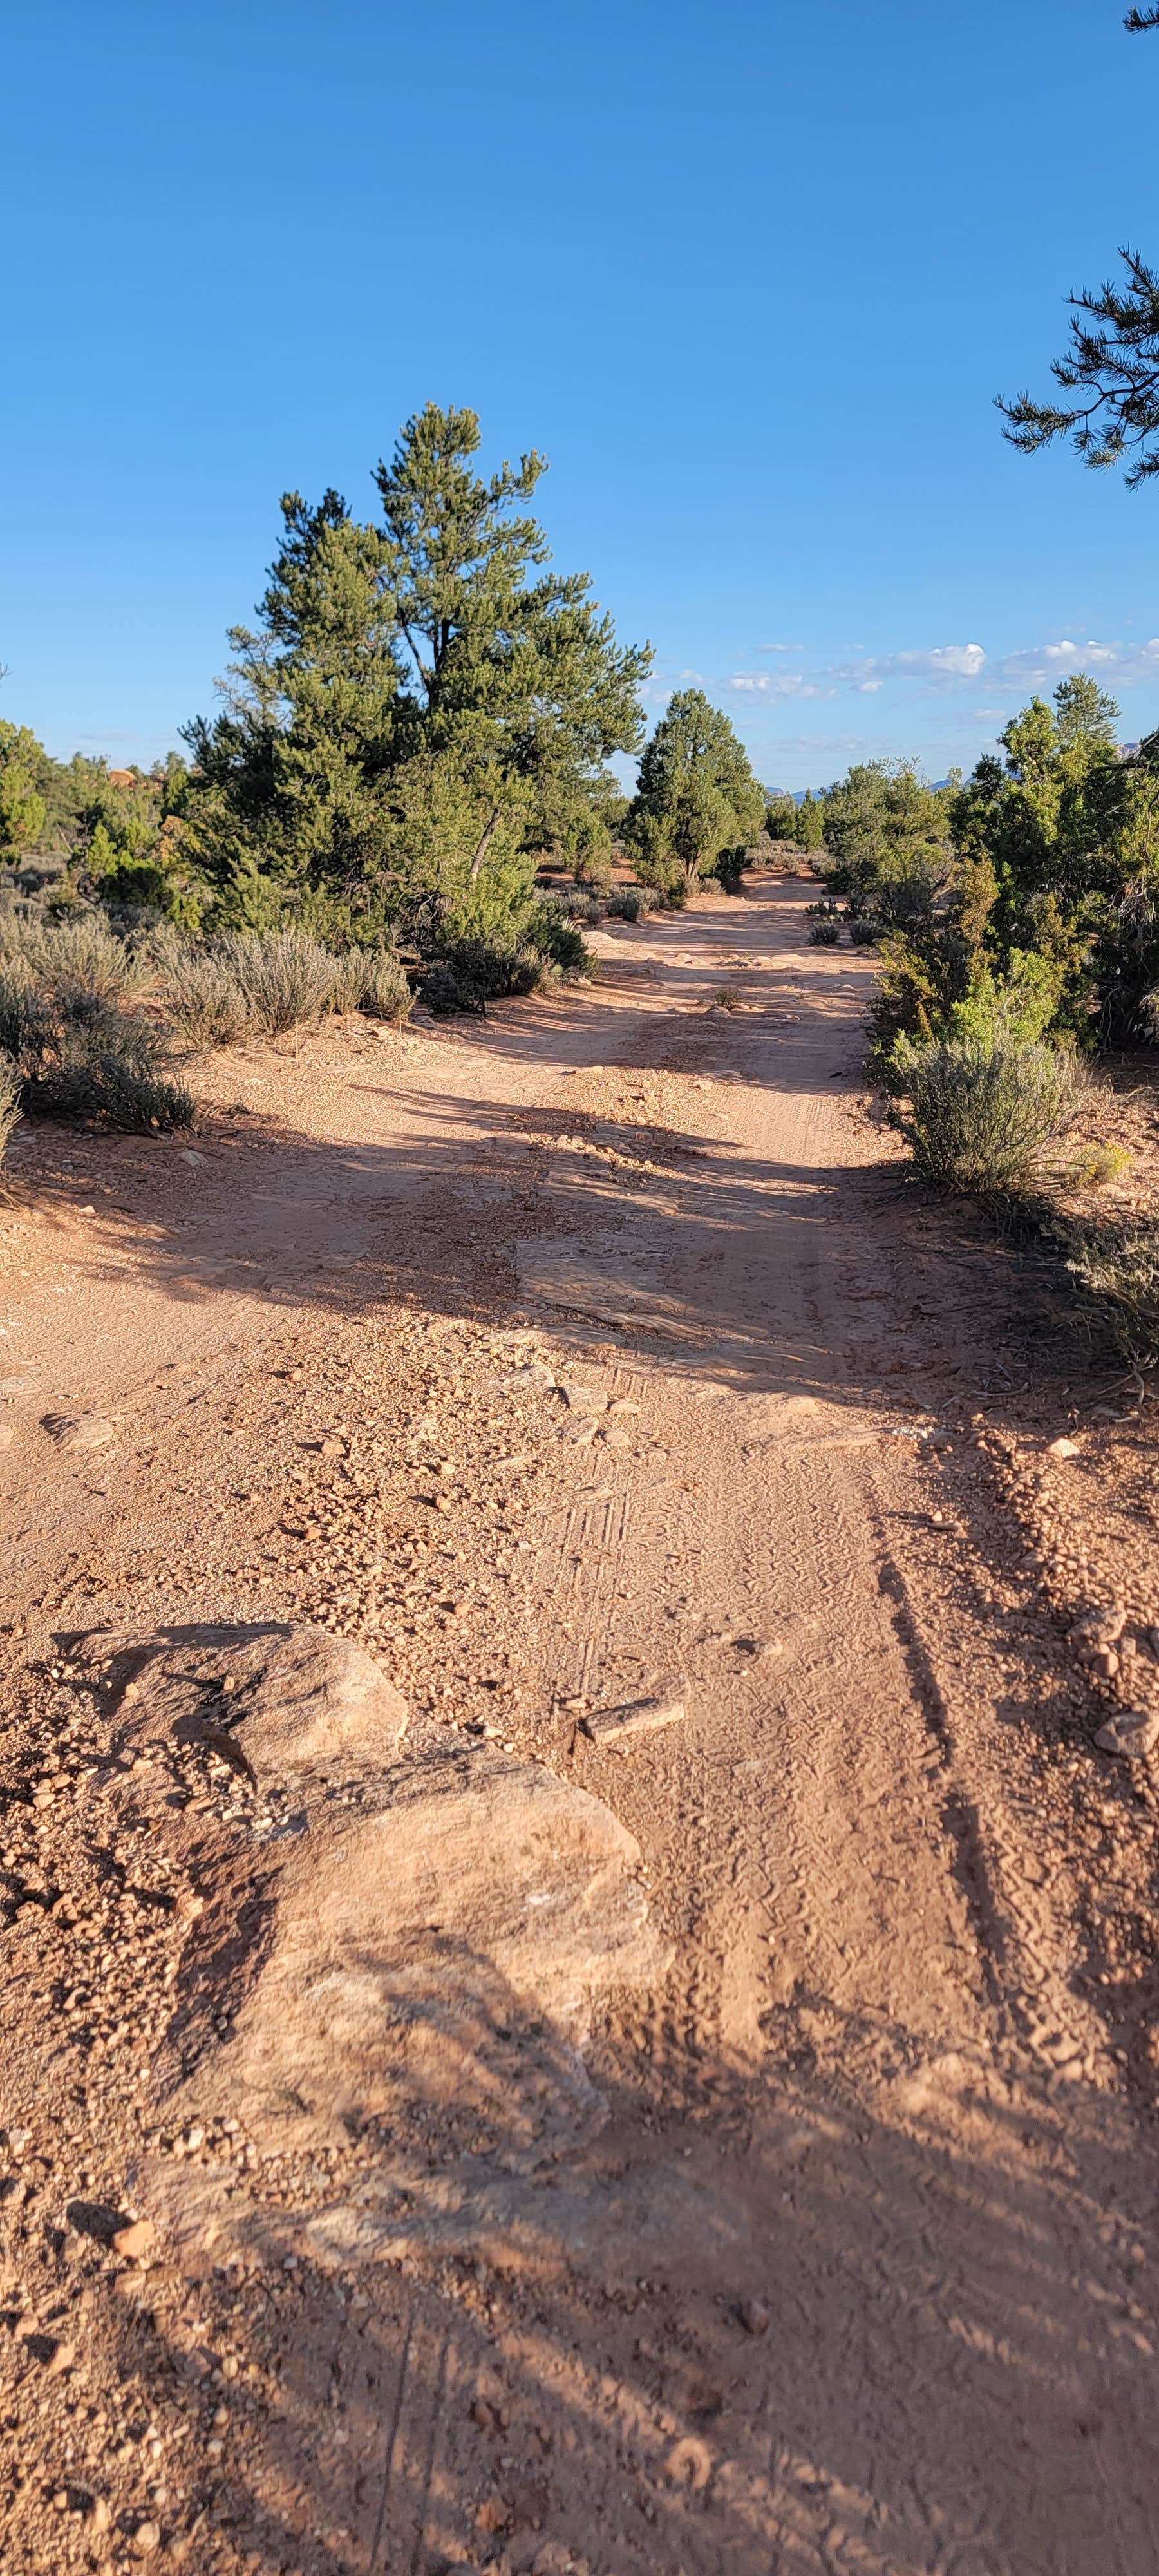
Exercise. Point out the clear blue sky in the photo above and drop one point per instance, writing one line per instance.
(749, 273)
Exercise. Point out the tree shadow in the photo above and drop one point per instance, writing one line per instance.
(767, 2319)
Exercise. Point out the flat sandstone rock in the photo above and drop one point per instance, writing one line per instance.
(293, 1699)
(444, 1950)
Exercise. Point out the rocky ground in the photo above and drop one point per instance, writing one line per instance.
(678, 2094)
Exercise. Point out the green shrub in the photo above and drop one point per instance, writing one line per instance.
(633, 902)
(21, 1011)
(469, 973)
(979, 1116)
(108, 1090)
(554, 935)
(864, 930)
(9, 1104)
(288, 978)
(726, 998)
(825, 933)
(1094, 1165)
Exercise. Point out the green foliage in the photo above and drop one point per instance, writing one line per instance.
(979, 1114)
(809, 823)
(887, 842)
(696, 794)
(1043, 897)
(22, 806)
(555, 937)
(421, 708)
(825, 932)
(781, 818)
(1113, 364)
(1113, 361)
(633, 902)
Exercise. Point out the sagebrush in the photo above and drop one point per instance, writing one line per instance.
(978, 1117)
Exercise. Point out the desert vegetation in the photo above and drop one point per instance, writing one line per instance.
(1015, 914)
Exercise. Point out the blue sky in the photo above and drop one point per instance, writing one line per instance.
(749, 275)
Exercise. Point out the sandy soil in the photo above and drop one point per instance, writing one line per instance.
(848, 2261)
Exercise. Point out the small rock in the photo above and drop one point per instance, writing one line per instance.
(615, 1728)
(582, 1399)
(1105, 1663)
(1133, 1733)
(99, 2516)
(754, 2316)
(60, 2359)
(1098, 1627)
(73, 1431)
(623, 1404)
(7, 1435)
(188, 1156)
(145, 2540)
(1063, 1449)
(134, 2238)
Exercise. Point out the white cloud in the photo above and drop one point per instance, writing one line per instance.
(1041, 665)
(778, 684)
(780, 648)
(935, 662)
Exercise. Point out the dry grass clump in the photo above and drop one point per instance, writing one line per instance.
(9, 1103)
(63, 956)
(275, 981)
(287, 978)
(205, 1002)
(1122, 1272)
(379, 985)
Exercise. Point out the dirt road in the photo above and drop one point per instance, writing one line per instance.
(595, 1353)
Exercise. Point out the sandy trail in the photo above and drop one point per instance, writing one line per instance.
(871, 2112)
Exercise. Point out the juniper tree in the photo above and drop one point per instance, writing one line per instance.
(421, 704)
(696, 793)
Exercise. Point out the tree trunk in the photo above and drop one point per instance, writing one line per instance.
(484, 845)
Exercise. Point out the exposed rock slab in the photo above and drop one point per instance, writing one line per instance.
(411, 1951)
(292, 1699)
(441, 1951)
